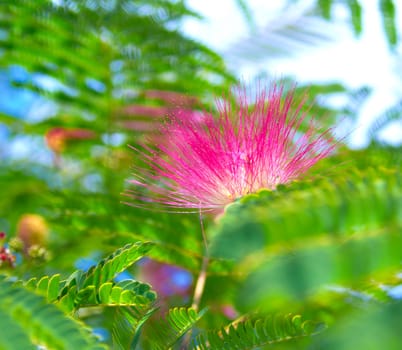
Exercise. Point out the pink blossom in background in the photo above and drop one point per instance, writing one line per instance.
(172, 97)
(148, 125)
(57, 138)
(167, 280)
(149, 111)
(144, 117)
(208, 163)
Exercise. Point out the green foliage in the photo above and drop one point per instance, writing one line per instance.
(127, 326)
(293, 242)
(351, 333)
(14, 332)
(114, 264)
(325, 8)
(30, 322)
(268, 331)
(331, 209)
(100, 61)
(164, 334)
(48, 286)
(295, 276)
(387, 12)
(387, 8)
(95, 287)
(174, 236)
(356, 15)
(125, 45)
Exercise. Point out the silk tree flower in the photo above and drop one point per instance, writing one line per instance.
(207, 163)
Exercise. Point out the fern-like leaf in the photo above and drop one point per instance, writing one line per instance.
(27, 316)
(48, 286)
(335, 207)
(114, 264)
(127, 326)
(300, 239)
(164, 334)
(96, 286)
(248, 335)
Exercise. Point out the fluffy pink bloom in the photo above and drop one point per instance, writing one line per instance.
(207, 163)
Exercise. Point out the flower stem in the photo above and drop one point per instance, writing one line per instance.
(199, 287)
(200, 284)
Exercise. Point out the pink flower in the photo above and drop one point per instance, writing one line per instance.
(207, 163)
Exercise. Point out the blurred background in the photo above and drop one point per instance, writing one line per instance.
(352, 43)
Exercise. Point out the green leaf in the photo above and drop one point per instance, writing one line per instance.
(253, 334)
(164, 334)
(127, 326)
(330, 208)
(31, 318)
(356, 13)
(387, 8)
(134, 39)
(95, 287)
(302, 273)
(292, 243)
(114, 264)
(85, 297)
(378, 325)
(53, 288)
(16, 336)
(104, 292)
(325, 7)
(176, 237)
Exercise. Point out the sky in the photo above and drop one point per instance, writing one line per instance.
(354, 62)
